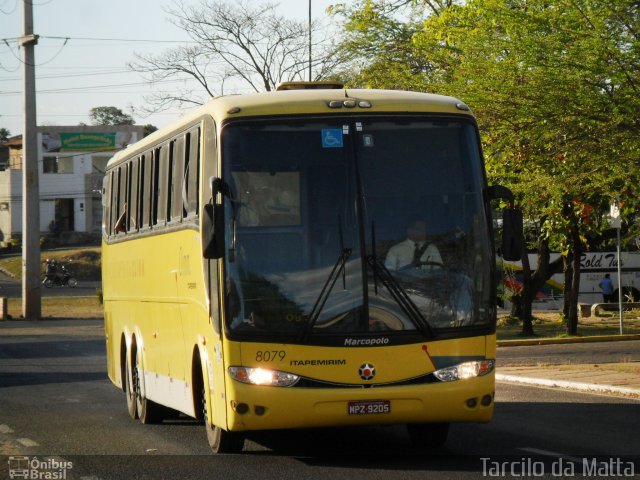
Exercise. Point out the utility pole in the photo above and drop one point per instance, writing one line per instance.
(31, 306)
(310, 79)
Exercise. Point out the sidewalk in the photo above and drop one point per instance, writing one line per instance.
(608, 379)
(618, 379)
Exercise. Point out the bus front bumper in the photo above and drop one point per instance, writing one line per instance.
(253, 407)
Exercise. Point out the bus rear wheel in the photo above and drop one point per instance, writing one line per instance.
(130, 383)
(220, 440)
(428, 435)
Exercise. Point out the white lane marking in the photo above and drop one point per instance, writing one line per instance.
(5, 429)
(547, 453)
(27, 442)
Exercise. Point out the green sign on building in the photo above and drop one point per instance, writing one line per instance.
(85, 142)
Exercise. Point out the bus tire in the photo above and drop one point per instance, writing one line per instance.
(220, 440)
(149, 412)
(428, 435)
(130, 389)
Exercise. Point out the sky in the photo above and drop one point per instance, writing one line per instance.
(75, 75)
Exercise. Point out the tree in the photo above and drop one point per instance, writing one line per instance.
(377, 46)
(109, 116)
(4, 135)
(554, 84)
(240, 45)
(149, 129)
(554, 87)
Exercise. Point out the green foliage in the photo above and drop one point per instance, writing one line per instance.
(149, 129)
(553, 85)
(109, 116)
(549, 82)
(4, 135)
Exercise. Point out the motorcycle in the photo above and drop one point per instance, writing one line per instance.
(61, 278)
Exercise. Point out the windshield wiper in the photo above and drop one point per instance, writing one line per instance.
(338, 268)
(402, 298)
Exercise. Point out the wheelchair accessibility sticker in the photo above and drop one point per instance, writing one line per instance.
(332, 138)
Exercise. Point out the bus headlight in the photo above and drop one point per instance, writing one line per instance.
(262, 376)
(465, 370)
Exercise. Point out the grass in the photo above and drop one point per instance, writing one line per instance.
(62, 307)
(550, 325)
(84, 263)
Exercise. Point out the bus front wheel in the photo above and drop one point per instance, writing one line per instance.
(149, 412)
(428, 435)
(220, 440)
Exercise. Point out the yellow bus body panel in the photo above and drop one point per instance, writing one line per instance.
(294, 407)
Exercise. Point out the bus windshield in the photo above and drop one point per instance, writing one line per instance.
(368, 227)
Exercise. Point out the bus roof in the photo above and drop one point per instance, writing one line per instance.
(307, 101)
(289, 102)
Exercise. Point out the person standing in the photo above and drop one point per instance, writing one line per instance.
(606, 285)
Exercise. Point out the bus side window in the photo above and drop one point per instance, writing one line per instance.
(177, 176)
(156, 188)
(164, 184)
(142, 193)
(106, 201)
(115, 199)
(121, 224)
(192, 171)
(133, 196)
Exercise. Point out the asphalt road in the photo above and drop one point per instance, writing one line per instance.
(55, 400)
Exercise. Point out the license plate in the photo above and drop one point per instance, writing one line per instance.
(369, 407)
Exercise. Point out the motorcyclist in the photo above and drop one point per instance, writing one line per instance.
(51, 270)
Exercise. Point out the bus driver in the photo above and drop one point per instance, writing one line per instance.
(415, 251)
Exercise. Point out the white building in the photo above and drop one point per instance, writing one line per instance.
(71, 163)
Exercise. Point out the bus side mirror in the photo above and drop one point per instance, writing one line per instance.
(512, 234)
(212, 231)
(213, 224)
(512, 224)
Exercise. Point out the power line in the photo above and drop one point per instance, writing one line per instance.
(96, 39)
(81, 114)
(131, 40)
(87, 74)
(15, 4)
(17, 57)
(92, 88)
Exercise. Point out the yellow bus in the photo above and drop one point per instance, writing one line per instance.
(309, 257)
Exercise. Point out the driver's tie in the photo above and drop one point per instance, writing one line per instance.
(417, 253)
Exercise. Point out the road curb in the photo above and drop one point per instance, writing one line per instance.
(554, 341)
(632, 393)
